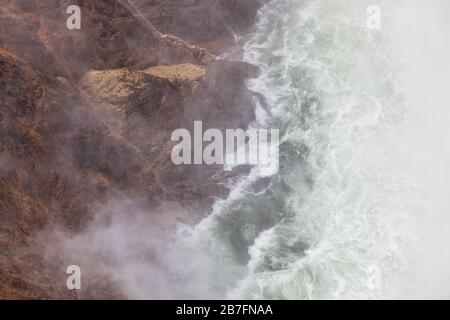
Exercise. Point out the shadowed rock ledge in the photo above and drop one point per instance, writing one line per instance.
(86, 116)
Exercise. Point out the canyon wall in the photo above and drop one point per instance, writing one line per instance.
(86, 116)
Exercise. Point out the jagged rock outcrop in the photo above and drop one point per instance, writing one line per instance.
(143, 108)
(86, 115)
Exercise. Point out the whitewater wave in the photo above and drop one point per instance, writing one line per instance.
(339, 219)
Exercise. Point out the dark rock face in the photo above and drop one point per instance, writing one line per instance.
(81, 121)
(212, 24)
(110, 37)
(39, 120)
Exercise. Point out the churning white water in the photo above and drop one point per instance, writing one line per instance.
(340, 218)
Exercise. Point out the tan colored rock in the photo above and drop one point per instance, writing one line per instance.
(178, 72)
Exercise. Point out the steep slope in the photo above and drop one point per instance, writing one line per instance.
(86, 116)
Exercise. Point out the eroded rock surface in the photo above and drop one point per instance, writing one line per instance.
(86, 116)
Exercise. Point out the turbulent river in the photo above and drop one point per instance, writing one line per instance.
(341, 218)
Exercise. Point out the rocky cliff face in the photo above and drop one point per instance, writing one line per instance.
(86, 116)
(211, 24)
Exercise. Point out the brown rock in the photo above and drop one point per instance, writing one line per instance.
(86, 115)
